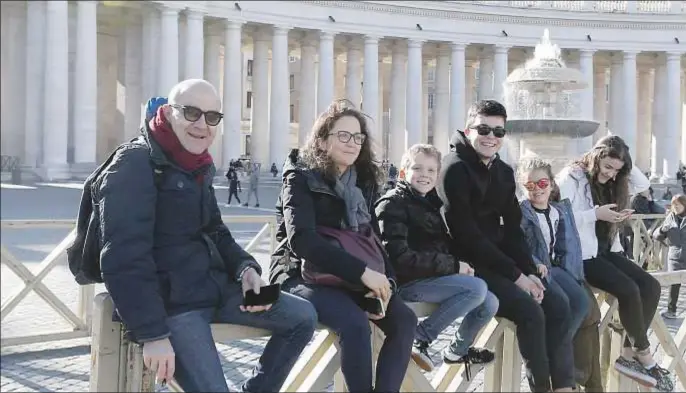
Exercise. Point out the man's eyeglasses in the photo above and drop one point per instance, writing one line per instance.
(192, 114)
(541, 184)
(345, 137)
(484, 130)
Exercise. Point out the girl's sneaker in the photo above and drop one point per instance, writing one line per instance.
(663, 378)
(633, 369)
(480, 356)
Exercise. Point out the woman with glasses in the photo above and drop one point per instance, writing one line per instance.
(330, 253)
(598, 186)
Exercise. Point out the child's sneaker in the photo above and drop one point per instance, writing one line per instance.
(420, 355)
(633, 369)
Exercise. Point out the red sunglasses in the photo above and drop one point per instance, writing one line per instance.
(542, 184)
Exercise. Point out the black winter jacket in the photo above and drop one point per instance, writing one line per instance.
(476, 198)
(306, 201)
(414, 234)
(165, 249)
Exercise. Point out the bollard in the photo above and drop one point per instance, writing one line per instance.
(16, 175)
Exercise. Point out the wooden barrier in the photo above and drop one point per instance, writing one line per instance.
(81, 320)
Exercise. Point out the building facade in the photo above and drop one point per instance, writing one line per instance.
(75, 74)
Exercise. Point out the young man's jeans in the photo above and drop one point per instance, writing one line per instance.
(637, 292)
(456, 296)
(545, 340)
(291, 320)
(673, 297)
(338, 311)
(579, 302)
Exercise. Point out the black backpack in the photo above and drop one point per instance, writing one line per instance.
(84, 253)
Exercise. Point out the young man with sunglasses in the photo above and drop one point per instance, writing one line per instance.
(483, 215)
(171, 265)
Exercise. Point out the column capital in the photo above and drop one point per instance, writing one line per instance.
(169, 11)
(195, 14)
(261, 34)
(458, 46)
(280, 29)
(630, 55)
(414, 43)
(673, 56)
(371, 39)
(327, 34)
(233, 24)
(308, 41)
(502, 48)
(586, 52)
(444, 50)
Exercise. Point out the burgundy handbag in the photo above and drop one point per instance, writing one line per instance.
(364, 245)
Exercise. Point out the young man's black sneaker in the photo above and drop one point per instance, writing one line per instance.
(420, 355)
(481, 356)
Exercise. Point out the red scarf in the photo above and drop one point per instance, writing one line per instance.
(163, 134)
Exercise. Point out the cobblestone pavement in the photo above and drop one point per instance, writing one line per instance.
(64, 365)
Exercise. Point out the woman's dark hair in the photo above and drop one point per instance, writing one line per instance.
(616, 190)
(317, 159)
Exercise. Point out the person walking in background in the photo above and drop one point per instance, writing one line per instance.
(232, 177)
(254, 176)
(673, 231)
(274, 170)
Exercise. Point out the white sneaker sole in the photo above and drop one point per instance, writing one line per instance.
(643, 379)
(421, 362)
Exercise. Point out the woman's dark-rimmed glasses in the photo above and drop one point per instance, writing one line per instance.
(345, 136)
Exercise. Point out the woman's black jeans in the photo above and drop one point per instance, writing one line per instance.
(637, 292)
(338, 311)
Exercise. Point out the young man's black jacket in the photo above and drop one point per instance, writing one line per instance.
(414, 234)
(476, 197)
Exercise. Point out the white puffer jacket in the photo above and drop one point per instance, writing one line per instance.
(574, 186)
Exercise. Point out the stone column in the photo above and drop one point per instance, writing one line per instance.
(279, 119)
(587, 103)
(233, 92)
(658, 145)
(308, 89)
(398, 137)
(151, 40)
(683, 118)
(485, 75)
(259, 136)
(13, 70)
(414, 108)
(629, 102)
(599, 103)
(616, 91)
(458, 91)
(352, 74)
(169, 69)
(499, 72)
(370, 87)
(672, 117)
(194, 45)
(326, 79)
(133, 54)
(34, 82)
(470, 93)
(425, 100)
(55, 95)
(643, 138)
(444, 98)
(213, 74)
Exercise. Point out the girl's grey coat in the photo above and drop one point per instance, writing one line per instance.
(567, 243)
(673, 230)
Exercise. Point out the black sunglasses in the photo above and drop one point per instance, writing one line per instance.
(192, 114)
(484, 130)
(345, 136)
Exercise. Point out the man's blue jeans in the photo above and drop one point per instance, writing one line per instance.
(457, 296)
(576, 294)
(291, 320)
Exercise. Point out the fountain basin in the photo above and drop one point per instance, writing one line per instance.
(552, 127)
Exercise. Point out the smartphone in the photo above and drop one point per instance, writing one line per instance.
(373, 305)
(268, 295)
(628, 211)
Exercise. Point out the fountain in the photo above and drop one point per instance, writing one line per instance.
(543, 100)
